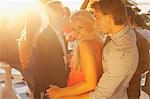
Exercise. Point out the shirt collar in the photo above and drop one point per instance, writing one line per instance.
(119, 33)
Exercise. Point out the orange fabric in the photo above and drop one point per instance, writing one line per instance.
(76, 77)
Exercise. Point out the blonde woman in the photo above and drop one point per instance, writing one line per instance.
(86, 66)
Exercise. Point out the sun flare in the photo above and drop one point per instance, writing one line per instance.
(16, 7)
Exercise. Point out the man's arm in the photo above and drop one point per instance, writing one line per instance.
(82, 96)
(120, 65)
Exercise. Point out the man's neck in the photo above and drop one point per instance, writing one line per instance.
(116, 28)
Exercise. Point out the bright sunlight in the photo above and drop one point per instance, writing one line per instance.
(15, 7)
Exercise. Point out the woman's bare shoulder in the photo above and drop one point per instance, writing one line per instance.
(90, 43)
(85, 44)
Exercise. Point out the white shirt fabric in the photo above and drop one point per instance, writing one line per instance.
(119, 60)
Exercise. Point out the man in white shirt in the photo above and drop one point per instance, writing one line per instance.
(120, 54)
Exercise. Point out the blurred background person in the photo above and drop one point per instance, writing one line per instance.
(27, 44)
(49, 61)
(11, 29)
(143, 44)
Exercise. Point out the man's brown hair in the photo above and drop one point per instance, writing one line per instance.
(115, 8)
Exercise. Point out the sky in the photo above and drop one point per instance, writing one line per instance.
(73, 4)
(6, 5)
(144, 5)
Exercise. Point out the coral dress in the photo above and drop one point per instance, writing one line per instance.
(76, 77)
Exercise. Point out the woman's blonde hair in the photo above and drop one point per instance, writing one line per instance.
(89, 19)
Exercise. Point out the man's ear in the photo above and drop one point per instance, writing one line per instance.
(110, 19)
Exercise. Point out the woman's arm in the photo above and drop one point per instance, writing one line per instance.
(89, 67)
(85, 4)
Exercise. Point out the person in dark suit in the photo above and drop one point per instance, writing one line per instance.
(142, 36)
(48, 54)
